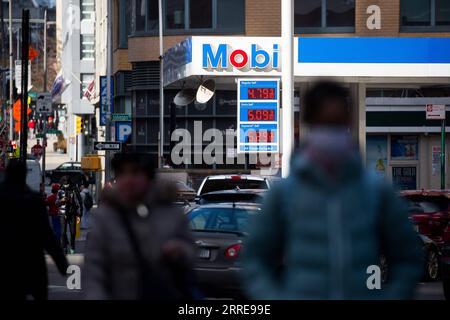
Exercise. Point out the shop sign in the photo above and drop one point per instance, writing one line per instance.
(405, 178)
(435, 111)
(224, 57)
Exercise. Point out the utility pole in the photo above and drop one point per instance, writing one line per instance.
(108, 91)
(11, 86)
(287, 77)
(443, 154)
(24, 104)
(45, 50)
(44, 139)
(161, 87)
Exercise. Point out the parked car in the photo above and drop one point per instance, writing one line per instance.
(429, 212)
(219, 231)
(71, 169)
(243, 196)
(431, 260)
(445, 263)
(232, 182)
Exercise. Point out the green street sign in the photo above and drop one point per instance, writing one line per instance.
(121, 117)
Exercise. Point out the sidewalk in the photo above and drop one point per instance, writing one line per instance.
(53, 159)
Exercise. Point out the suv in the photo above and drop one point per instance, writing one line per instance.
(232, 182)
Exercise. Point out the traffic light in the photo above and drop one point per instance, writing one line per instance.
(79, 124)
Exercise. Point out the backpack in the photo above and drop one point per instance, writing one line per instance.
(88, 201)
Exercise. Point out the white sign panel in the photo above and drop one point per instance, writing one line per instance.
(44, 103)
(258, 113)
(435, 111)
(18, 76)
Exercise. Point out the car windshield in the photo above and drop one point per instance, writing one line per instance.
(221, 219)
(231, 184)
(420, 204)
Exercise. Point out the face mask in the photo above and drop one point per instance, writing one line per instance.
(330, 141)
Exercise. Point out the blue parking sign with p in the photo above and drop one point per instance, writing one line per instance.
(123, 131)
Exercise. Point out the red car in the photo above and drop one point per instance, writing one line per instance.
(430, 212)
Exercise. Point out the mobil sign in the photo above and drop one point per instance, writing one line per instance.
(251, 55)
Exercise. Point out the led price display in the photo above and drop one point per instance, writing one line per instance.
(260, 115)
(261, 93)
(255, 136)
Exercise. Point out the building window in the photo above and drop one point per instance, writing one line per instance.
(153, 15)
(189, 16)
(425, 14)
(87, 46)
(87, 9)
(317, 15)
(139, 15)
(175, 14)
(200, 14)
(86, 80)
(124, 23)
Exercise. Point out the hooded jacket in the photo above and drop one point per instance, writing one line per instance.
(112, 268)
(325, 235)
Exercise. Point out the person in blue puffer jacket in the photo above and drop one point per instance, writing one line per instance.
(323, 229)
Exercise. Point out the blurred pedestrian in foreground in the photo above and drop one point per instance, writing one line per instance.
(139, 246)
(25, 235)
(330, 220)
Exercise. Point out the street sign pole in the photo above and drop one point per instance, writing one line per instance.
(287, 79)
(11, 87)
(443, 154)
(24, 122)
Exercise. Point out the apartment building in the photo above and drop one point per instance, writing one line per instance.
(77, 52)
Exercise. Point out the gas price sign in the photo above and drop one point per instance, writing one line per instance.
(258, 110)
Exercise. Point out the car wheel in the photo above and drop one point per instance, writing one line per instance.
(446, 285)
(432, 266)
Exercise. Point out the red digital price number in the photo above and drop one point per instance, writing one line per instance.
(260, 115)
(261, 93)
(255, 136)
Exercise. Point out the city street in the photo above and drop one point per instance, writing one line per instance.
(288, 149)
(58, 289)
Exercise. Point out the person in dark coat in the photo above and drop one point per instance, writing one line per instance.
(140, 246)
(25, 235)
